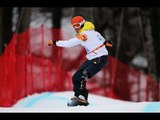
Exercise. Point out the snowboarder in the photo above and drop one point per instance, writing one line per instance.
(96, 57)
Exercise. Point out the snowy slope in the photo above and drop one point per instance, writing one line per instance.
(57, 102)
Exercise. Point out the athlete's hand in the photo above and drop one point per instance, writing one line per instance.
(108, 43)
(52, 42)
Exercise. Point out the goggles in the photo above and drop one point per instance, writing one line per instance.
(78, 25)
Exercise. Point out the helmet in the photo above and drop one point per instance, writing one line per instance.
(77, 21)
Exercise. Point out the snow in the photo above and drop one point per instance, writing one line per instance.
(140, 61)
(57, 102)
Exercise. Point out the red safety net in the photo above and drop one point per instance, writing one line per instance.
(28, 65)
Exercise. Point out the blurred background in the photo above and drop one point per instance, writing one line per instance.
(28, 65)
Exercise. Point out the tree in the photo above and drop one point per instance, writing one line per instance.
(23, 19)
(6, 27)
(149, 40)
(155, 25)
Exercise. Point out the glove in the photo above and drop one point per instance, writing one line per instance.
(52, 42)
(108, 43)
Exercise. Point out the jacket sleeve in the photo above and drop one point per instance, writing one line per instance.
(68, 43)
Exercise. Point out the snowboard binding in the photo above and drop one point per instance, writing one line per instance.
(75, 101)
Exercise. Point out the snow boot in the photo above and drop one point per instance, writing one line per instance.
(75, 101)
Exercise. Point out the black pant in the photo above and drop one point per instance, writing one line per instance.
(92, 67)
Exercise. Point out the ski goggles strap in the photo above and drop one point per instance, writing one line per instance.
(78, 25)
